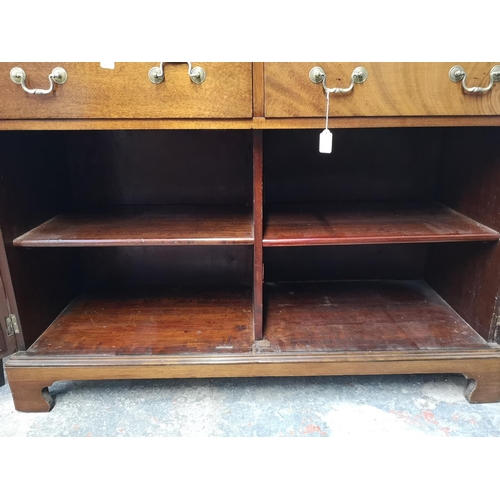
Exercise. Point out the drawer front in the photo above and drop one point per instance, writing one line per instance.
(391, 89)
(126, 92)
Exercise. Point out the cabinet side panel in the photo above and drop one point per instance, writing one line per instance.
(34, 188)
(468, 275)
(4, 312)
(8, 305)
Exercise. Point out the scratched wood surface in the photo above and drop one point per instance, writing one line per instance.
(363, 316)
(152, 321)
(145, 226)
(370, 223)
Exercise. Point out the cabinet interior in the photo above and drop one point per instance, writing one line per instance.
(141, 242)
(97, 215)
(407, 218)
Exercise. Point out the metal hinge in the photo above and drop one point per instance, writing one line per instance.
(12, 325)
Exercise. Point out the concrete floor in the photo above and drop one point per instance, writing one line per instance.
(302, 407)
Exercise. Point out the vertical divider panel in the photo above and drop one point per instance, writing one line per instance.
(258, 90)
(258, 222)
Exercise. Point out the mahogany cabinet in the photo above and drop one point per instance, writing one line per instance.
(190, 227)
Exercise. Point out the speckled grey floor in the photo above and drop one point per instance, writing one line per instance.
(309, 407)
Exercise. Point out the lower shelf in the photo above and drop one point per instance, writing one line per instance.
(152, 322)
(386, 315)
(338, 328)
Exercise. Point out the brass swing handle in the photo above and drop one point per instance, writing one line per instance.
(58, 75)
(156, 74)
(318, 75)
(457, 74)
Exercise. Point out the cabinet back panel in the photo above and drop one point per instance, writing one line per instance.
(191, 265)
(160, 167)
(34, 180)
(325, 263)
(366, 164)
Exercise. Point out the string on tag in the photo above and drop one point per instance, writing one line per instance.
(326, 138)
(327, 107)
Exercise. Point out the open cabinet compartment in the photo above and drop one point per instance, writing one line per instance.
(135, 242)
(388, 244)
(169, 254)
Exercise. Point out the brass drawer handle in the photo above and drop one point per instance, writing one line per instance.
(457, 74)
(317, 75)
(58, 75)
(197, 74)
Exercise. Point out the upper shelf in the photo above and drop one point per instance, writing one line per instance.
(369, 223)
(145, 226)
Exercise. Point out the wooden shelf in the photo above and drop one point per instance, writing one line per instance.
(145, 225)
(387, 315)
(369, 223)
(154, 321)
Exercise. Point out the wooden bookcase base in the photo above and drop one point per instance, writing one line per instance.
(31, 375)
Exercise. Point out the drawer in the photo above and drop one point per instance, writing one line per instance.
(391, 89)
(126, 92)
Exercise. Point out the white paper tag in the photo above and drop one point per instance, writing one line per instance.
(325, 141)
(108, 65)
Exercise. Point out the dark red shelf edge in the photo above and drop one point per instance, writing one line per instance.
(27, 243)
(376, 241)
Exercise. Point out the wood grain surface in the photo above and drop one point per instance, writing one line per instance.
(391, 89)
(257, 123)
(152, 321)
(370, 223)
(145, 226)
(258, 89)
(126, 92)
(363, 316)
(31, 375)
(340, 122)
